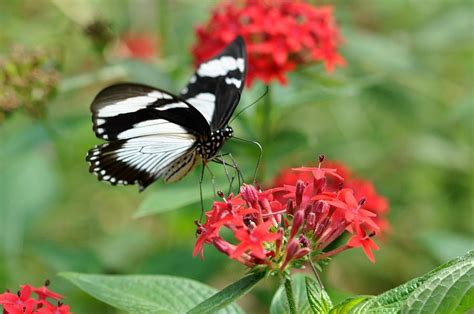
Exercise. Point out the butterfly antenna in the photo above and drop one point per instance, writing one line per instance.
(253, 103)
(259, 155)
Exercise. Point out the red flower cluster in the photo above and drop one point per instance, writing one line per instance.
(290, 224)
(362, 189)
(280, 34)
(137, 46)
(24, 303)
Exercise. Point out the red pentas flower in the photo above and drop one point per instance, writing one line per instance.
(362, 189)
(285, 226)
(24, 303)
(280, 35)
(141, 46)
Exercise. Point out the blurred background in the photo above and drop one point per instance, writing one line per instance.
(399, 114)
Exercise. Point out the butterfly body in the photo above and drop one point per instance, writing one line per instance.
(153, 134)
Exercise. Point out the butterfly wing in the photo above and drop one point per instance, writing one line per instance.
(128, 110)
(215, 87)
(151, 134)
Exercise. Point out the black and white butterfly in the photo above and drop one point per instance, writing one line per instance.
(154, 134)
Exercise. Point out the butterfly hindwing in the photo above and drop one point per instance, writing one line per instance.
(141, 160)
(215, 87)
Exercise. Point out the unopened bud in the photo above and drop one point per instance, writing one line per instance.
(290, 208)
(297, 222)
(292, 248)
(310, 221)
(304, 241)
(302, 252)
(299, 192)
(249, 194)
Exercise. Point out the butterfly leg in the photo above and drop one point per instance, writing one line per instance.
(237, 169)
(213, 179)
(230, 180)
(200, 192)
(233, 166)
(220, 160)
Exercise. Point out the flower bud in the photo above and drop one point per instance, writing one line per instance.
(249, 194)
(304, 240)
(299, 192)
(310, 221)
(290, 208)
(297, 222)
(302, 252)
(291, 249)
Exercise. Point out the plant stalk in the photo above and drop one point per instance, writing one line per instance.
(265, 128)
(289, 295)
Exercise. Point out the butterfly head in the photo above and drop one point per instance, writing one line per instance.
(208, 148)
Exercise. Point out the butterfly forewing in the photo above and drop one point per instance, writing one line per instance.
(129, 110)
(215, 87)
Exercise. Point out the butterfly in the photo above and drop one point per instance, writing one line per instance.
(151, 133)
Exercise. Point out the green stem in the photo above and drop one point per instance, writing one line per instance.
(289, 295)
(265, 128)
(316, 273)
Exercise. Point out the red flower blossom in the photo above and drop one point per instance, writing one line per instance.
(24, 303)
(365, 241)
(48, 308)
(137, 46)
(253, 240)
(18, 303)
(280, 227)
(362, 189)
(279, 34)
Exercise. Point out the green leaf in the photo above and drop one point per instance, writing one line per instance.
(229, 293)
(347, 305)
(450, 291)
(280, 303)
(146, 293)
(448, 287)
(319, 300)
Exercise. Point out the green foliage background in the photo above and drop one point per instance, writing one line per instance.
(400, 114)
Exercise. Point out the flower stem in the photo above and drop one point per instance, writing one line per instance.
(316, 273)
(289, 295)
(265, 127)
